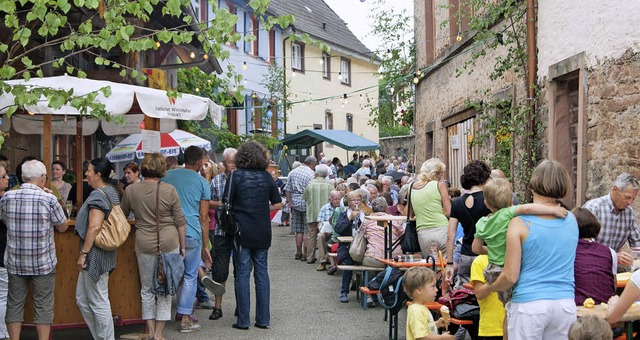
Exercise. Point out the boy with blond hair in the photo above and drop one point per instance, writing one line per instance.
(419, 284)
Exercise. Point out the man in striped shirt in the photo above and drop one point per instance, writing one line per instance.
(30, 214)
(324, 216)
(617, 218)
(297, 181)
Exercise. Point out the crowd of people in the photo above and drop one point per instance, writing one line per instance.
(533, 262)
(174, 208)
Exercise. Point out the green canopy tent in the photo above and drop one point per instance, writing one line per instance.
(342, 138)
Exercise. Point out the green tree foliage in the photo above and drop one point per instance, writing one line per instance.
(395, 109)
(96, 28)
(505, 122)
(194, 81)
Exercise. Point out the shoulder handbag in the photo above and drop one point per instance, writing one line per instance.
(410, 242)
(225, 213)
(115, 228)
(358, 246)
(161, 278)
(462, 303)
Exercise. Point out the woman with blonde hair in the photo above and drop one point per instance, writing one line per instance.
(430, 205)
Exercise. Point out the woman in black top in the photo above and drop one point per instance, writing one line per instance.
(466, 209)
(253, 195)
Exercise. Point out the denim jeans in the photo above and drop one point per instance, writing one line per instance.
(244, 259)
(201, 294)
(346, 276)
(187, 293)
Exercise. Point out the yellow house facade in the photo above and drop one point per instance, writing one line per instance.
(332, 90)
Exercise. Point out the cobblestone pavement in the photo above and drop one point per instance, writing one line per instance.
(304, 305)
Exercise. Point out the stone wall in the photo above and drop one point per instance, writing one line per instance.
(397, 146)
(613, 122)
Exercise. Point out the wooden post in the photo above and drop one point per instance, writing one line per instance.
(531, 90)
(151, 123)
(79, 159)
(46, 149)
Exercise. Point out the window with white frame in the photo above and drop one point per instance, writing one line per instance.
(249, 46)
(349, 122)
(345, 71)
(328, 119)
(297, 55)
(326, 66)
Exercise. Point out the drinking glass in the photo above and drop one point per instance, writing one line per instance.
(69, 208)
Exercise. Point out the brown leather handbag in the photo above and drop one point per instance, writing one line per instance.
(115, 228)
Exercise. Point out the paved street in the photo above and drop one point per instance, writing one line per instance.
(304, 305)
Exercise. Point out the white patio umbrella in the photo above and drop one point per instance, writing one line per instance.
(153, 103)
(170, 145)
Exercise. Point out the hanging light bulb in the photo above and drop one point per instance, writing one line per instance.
(459, 37)
(234, 88)
(361, 97)
(197, 89)
(293, 74)
(269, 114)
(340, 76)
(157, 44)
(253, 95)
(280, 101)
(245, 81)
(192, 55)
(415, 80)
(419, 73)
(244, 65)
(380, 76)
(321, 61)
(206, 57)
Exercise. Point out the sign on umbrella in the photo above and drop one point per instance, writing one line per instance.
(170, 145)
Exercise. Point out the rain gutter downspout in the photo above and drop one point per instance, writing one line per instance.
(284, 83)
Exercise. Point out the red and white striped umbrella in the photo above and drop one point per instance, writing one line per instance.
(170, 145)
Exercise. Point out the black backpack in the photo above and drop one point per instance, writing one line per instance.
(392, 295)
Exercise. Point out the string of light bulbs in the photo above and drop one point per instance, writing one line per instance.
(422, 72)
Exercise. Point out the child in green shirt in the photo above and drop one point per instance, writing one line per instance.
(492, 229)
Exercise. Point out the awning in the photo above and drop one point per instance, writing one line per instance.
(26, 124)
(342, 138)
(153, 103)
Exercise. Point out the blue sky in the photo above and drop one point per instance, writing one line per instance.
(355, 14)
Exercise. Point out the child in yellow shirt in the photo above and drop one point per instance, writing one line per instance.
(491, 309)
(420, 285)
